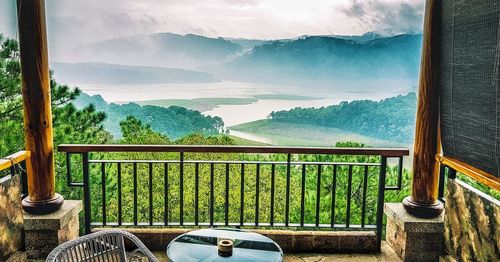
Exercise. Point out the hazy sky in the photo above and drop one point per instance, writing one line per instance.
(76, 22)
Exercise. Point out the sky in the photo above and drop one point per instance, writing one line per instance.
(74, 22)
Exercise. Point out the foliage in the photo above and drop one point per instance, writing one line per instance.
(10, 98)
(85, 125)
(70, 125)
(165, 168)
(172, 121)
(389, 119)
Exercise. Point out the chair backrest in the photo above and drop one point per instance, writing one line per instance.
(106, 245)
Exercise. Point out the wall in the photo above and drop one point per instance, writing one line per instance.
(472, 221)
(11, 216)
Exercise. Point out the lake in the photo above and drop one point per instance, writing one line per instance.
(267, 95)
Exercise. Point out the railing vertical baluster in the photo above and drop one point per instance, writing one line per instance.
(257, 184)
(12, 170)
(196, 191)
(119, 177)
(68, 168)
(303, 196)
(226, 207)
(166, 193)
(287, 197)
(452, 173)
(318, 194)
(86, 191)
(181, 188)
(212, 194)
(135, 192)
(334, 190)
(24, 180)
(103, 188)
(273, 172)
(349, 189)
(150, 194)
(400, 172)
(363, 206)
(242, 194)
(380, 199)
(442, 174)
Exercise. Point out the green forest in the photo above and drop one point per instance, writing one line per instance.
(391, 119)
(172, 121)
(86, 125)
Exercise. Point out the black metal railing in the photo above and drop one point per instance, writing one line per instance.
(142, 185)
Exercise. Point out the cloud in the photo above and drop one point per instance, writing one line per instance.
(390, 17)
(8, 22)
(76, 23)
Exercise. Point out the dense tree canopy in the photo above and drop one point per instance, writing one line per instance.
(71, 125)
(390, 119)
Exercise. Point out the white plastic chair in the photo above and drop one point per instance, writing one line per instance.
(106, 245)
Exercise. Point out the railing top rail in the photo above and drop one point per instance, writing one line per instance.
(8, 161)
(388, 152)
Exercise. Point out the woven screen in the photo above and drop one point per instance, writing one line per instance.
(469, 77)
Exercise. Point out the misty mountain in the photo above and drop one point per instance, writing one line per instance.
(100, 73)
(162, 49)
(247, 43)
(360, 38)
(307, 60)
(314, 59)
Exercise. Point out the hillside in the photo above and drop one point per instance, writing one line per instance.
(307, 60)
(390, 119)
(173, 121)
(323, 58)
(297, 134)
(162, 49)
(101, 73)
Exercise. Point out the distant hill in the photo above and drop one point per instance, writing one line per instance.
(391, 119)
(322, 58)
(360, 38)
(101, 73)
(174, 121)
(247, 43)
(307, 60)
(162, 49)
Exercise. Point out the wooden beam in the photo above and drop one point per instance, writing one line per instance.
(14, 159)
(483, 177)
(41, 198)
(423, 200)
(388, 152)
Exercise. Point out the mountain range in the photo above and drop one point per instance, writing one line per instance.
(192, 58)
(102, 73)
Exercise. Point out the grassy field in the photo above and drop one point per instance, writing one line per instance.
(305, 134)
(206, 104)
(246, 142)
(200, 104)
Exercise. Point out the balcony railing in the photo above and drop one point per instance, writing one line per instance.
(15, 165)
(201, 186)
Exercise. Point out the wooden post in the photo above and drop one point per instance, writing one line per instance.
(42, 198)
(423, 200)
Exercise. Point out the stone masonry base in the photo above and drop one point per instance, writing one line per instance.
(289, 241)
(45, 232)
(413, 239)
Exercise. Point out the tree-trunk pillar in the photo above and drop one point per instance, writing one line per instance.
(41, 198)
(423, 200)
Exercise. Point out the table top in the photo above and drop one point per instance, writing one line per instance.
(201, 245)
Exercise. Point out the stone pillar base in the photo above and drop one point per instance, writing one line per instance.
(45, 232)
(413, 239)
